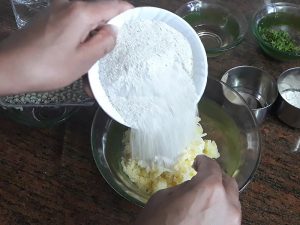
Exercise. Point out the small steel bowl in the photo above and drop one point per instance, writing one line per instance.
(288, 102)
(256, 87)
(219, 26)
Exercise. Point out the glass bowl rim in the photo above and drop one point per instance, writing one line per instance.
(104, 170)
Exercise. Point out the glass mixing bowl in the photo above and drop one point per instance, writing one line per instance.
(225, 117)
(219, 26)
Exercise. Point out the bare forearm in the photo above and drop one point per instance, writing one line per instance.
(15, 70)
(9, 84)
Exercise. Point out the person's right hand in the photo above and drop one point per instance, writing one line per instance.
(59, 46)
(209, 198)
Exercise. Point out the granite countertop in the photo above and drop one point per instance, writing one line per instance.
(48, 176)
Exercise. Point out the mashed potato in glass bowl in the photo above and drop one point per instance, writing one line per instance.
(152, 179)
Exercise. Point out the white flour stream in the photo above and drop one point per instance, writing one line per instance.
(148, 79)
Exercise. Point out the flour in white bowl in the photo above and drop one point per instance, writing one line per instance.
(148, 79)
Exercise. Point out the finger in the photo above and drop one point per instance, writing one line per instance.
(108, 9)
(208, 171)
(231, 188)
(204, 164)
(99, 44)
(89, 16)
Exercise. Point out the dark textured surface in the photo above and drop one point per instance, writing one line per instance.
(48, 176)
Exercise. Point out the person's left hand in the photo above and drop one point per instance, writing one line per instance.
(59, 46)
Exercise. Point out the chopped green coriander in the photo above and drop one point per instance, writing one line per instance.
(279, 39)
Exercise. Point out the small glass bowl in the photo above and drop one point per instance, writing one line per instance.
(279, 16)
(220, 27)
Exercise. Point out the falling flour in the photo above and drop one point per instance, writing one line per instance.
(148, 79)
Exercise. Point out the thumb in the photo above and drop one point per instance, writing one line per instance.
(99, 44)
(206, 167)
(203, 163)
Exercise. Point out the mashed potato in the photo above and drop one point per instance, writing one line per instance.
(153, 179)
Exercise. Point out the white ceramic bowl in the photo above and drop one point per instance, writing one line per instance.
(155, 14)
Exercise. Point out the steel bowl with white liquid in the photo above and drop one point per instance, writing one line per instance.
(288, 102)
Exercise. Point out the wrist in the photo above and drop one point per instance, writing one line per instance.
(6, 77)
(12, 73)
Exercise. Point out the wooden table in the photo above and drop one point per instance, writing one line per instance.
(48, 176)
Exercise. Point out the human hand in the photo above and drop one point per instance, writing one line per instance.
(209, 198)
(59, 47)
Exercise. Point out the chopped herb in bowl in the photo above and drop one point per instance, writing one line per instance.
(279, 39)
(276, 28)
